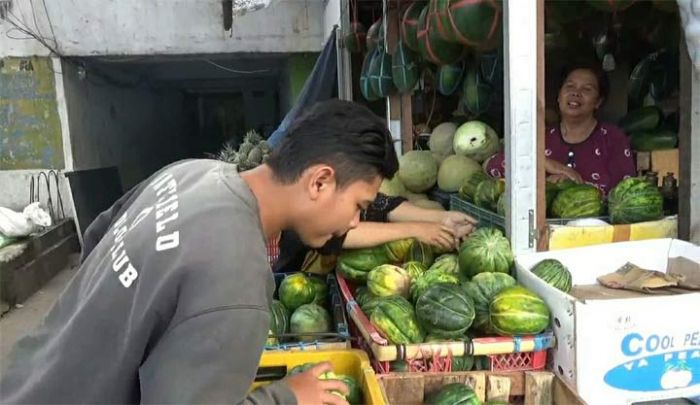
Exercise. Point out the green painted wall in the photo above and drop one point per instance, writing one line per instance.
(30, 130)
(300, 67)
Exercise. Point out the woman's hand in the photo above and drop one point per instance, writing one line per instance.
(309, 389)
(559, 172)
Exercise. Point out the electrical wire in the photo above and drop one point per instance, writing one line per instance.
(211, 62)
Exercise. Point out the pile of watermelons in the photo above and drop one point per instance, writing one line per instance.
(412, 293)
(301, 311)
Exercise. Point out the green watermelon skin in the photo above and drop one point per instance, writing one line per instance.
(634, 200)
(476, 24)
(296, 290)
(355, 40)
(580, 201)
(404, 68)
(422, 253)
(454, 394)
(661, 139)
(445, 310)
(414, 269)
(365, 86)
(387, 280)
(432, 48)
(554, 273)
(447, 263)
(320, 289)
(409, 25)
(481, 289)
(488, 192)
(643, 119)
(309, 319)
(355, 396)
(468, 191)
(518, 311)
(395, 318)
(487, 250)
(380, 71)
(430, 278)
(375, 36)
(476, 92)
(449, 78)
(397, 250)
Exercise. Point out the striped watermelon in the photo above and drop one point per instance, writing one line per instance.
(474, 23)
(635, 200)
(432, 47)
(554, 273)
(518, 311)
(422, 253)
(580, 201)
(355, 40)
(404, 68)
(279, 322)
(375, 35)
(486, 250)
(450, 78)
(468, 190)
(445, 310)
(409, 25)
(380, 74)
(365, 86)
(476, 92)
(481, 289)
(488, 192)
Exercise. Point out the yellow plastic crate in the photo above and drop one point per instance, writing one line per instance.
(355, 363)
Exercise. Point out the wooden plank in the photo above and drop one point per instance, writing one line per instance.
(407, 122)
(562, 394)
(538, 388)
(541, 212)
(498, 388)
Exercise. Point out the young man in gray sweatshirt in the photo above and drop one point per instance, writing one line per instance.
(170, 304)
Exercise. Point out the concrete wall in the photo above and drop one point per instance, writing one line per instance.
(167, 27)
(137, 129)
(15, 190)
(30, 129)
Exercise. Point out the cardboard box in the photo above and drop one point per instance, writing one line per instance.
(619, 347)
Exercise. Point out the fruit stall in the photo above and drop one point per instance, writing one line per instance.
(567, 293)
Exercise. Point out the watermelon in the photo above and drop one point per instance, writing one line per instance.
(481, 289)
(476, 92)
(397, 250)
(476, 140)
(362, 295)
(432, 47)
(649, 141)
(468, 191)
(554, 273)
(447, 263)
(642, 119)
(300, 368)
(354, 396)
(638, 84)
(580, 201)
(454, 172)
(501, 204)
(418, 170)
(462, 363)
(518, 311)
(392, 187)
(320, 289)
(488, 192)
(380, 71)
(365, 87)
(296, 290)
(422, 253)
(486, 250)
(429, 278)
(404, 68)
(445, 310)
(634, 200)
(355, 40)
(441, 139)
(395, 319)
(375, 35)
(414, 269)
(387, 280)
(311, 319)
(454, 394)
(354, 264)
(409, 25)
(476, 24)
(279, 322)
(449, 78)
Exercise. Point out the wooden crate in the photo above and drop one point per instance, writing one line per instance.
(534, 387)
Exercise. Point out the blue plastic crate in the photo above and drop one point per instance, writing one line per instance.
(337, 339)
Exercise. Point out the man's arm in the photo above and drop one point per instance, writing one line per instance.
(369, 234)
(407, 212)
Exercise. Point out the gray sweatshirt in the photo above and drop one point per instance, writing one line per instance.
(170, 304)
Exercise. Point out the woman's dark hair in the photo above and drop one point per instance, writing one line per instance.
(342, 134)
(600, 75)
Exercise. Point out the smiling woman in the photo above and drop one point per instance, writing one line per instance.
(581, 148)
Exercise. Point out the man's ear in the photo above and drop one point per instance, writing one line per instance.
(321, 180)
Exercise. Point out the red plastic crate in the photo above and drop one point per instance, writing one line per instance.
(273, 249)
(440, 359)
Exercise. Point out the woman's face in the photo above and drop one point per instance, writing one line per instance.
(579, 96)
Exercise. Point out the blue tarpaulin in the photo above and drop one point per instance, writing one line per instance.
(322, 84)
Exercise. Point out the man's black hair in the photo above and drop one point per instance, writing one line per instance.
(342, 134)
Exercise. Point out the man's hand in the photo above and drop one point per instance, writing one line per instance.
(308, 389)
(461, 224)
(435, 234)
